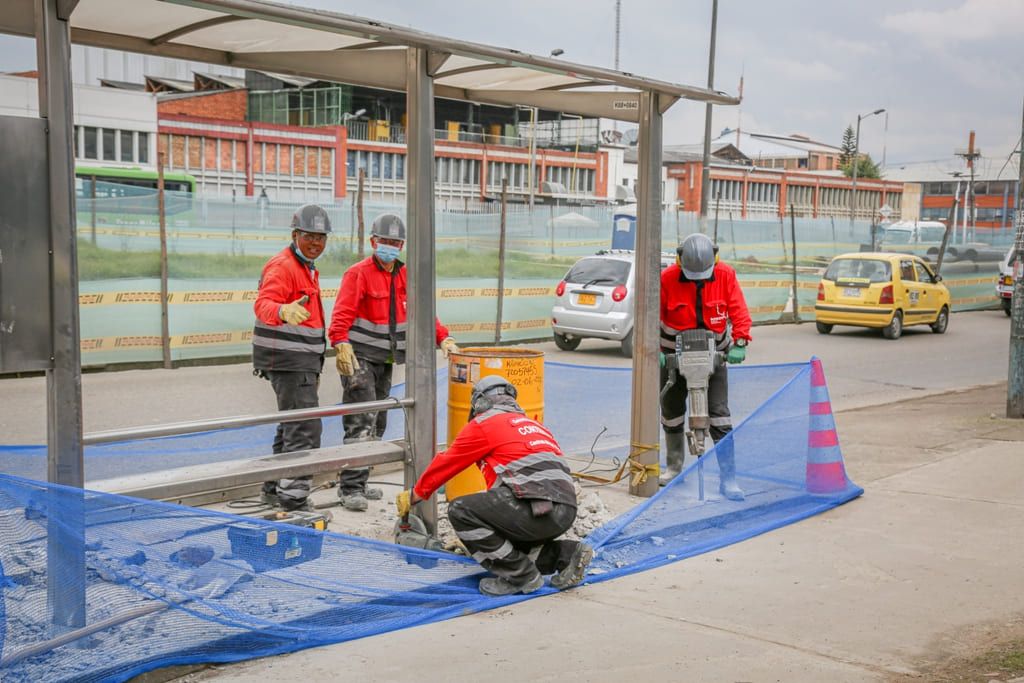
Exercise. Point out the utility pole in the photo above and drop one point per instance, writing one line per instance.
(1015, 376)
(969, 155)
(705, 175)
(856, 165)
(618, 36)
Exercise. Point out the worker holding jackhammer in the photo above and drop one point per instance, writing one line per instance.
(699, 292)
(367, 332)
(511, 528)
(288, 343)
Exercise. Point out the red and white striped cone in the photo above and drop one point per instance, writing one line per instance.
(825, 470)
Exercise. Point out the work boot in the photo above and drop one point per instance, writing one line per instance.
(269, 498)
(576, 570)
(373, 493)
(305, 505)
(354, 501)
(496, 586)
(727, 471)
(675, 457)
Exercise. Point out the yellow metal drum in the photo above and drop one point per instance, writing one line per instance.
(523, 368)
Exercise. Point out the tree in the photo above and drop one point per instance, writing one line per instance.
(866, 168)
(847, 147)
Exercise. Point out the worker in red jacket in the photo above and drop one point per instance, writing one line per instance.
(699, 292)
(288, 342)
(367, 332)
(511, 528)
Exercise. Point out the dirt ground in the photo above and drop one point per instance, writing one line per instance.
(982, 653)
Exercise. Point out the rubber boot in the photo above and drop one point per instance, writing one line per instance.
(675, 457)
(727, 471)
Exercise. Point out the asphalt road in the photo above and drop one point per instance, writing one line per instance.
(862, 368)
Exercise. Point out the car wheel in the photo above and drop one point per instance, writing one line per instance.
(1007, 307)
(823, 328)
(941, 321)
(895, 327)
(566, 343)
(627, 345)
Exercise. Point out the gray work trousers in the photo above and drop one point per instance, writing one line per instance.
(294, 390)
(371, 382)
(673, 405)
(503, 534)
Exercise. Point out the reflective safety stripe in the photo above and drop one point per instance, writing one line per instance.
(282, 345)
(550, 474)
(379, 328)
(301, 330)
(505, 550)
(674, 421)
(526, 461)
(721, 421)
(474, 534)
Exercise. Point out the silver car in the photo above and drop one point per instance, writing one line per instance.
(595, 299)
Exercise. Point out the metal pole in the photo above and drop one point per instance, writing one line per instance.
(501, 260)
(705, 174)
(646, 412)
(93, 212)
(421, 371)
(533, 157)
(161, 209)
(792, 240)
(1015, 376)
(855, 160)
(65, 551)
(361, 235)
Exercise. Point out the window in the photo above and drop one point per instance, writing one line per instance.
(847, 268)
(143, 148)
(922, 273)
(91, 143)
(599, 271)
(907, 271)
(109, 137)
(126, 146)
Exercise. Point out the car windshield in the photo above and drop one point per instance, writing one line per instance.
(858, 269)
(932, 234)
(599, 271)
(897, 236)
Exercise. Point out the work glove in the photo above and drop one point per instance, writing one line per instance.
(295, 313)
(403, 502)
(345, 359)
(737, 354)
(448, 347)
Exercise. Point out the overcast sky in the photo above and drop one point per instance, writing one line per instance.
(940, 67)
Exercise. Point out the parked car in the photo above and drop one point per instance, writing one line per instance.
(881, 290)
(1004, 283)
(924, 239)
(595, 300)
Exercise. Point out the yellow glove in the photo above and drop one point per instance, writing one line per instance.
(448, 347)
(345, 359)
(295, 313)
(403, 502)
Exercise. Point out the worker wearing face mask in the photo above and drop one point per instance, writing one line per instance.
(367, 332)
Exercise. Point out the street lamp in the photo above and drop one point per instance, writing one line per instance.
(856, 164)
(557, 52)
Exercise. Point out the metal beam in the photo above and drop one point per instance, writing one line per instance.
(421, 373)
(197, 480)
(645, 430)
(398, 35)
(192, 28)
(624, 106)
(65, 557)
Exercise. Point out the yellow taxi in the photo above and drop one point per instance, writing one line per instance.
(881, 290)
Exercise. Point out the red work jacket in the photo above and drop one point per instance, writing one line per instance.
(362, 314)
(277, 345)
(722, 301)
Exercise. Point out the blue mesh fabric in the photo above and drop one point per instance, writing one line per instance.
(166, 584)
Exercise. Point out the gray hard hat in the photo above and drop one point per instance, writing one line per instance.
(388, 225)
(491, 384)
(311, 218)
(697, 256)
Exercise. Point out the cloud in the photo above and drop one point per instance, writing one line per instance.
(972, 20)
(797, 70)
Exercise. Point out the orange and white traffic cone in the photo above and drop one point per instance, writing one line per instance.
(825, 470)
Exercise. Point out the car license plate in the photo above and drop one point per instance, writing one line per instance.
(587, 300)
(851, 291)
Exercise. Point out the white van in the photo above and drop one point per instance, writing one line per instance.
(914, 237)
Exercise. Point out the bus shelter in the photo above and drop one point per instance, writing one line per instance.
(39, 324)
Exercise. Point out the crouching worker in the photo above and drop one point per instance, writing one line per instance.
(511, 528)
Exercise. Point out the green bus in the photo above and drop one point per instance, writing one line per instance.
(132, 190)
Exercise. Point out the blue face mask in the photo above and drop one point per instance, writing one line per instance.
(387, 253)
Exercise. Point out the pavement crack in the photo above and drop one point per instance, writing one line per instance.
(866, 666)
(946, 496)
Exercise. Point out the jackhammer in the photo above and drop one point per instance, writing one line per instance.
(695, 359)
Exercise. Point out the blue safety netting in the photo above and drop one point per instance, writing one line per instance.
(166, 584)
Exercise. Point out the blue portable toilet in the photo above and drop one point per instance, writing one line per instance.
(624, 227)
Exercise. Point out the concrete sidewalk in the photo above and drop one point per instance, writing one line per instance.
(873, 589)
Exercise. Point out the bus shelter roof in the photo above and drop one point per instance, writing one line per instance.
(267, 36)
